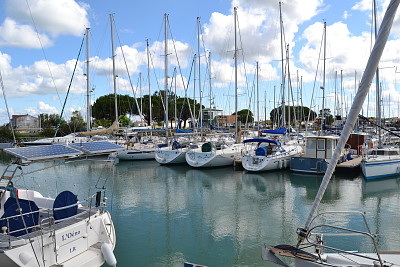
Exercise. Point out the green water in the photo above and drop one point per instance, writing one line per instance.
(166, 215)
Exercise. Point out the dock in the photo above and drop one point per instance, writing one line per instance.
(352, 165)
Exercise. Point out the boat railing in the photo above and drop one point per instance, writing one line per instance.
(319, 244)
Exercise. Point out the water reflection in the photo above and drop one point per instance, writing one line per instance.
(220, 217)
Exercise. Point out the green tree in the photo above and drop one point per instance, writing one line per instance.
(328, 117)
(296, 114)
(245, 115)
(104, 106)
(5, 133)
(77, 123)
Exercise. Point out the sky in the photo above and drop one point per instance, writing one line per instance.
(40, 43)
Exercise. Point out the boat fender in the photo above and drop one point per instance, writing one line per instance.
(108, 254)
(25, 257)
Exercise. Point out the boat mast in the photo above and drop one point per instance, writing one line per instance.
(358, 102)
(282, 69)
(258, 100)
(323, 83)
(148, 79)
(236, 79)
(166, 72)
(200, 90)
(113, 67)
(88, 111)
(378, 89)
(209, 69)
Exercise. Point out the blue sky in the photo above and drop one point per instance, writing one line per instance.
(36, 76)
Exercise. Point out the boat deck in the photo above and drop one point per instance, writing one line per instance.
(83, 213)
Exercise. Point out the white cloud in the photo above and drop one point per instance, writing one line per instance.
(46, 108)
(23, 36)
(54, 17)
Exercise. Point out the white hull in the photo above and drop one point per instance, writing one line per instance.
(336, 259)
(215, 158)
(281, 160)
(73, 242)
(171, 156)
(375, 169)
(136, 154)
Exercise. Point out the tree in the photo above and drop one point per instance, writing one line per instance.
(5, 133)
(328, 117)
(76, 122)
(300, 113)
(104, 106)
(244, 116)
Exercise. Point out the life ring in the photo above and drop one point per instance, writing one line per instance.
(371, 144)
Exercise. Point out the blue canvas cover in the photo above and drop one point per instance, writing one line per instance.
(64, 199)
(261, 151)
(276, 131)
(183, 131)
(16, 224)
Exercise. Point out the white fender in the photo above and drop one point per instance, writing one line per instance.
(108, 254)
(25, 257)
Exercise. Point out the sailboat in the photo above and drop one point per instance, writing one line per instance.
(379, 161)
(270, 154)
(311, 235)
(61, 231)
(223, 153)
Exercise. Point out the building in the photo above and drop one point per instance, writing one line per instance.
(25, 124)
(209, 114)
(226, 120)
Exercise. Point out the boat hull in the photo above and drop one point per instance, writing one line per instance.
(170, 156)
(136, 154)
(380, 168)
(308, 165)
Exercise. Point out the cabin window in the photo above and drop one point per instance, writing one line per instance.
(311, 144)
(321, 144)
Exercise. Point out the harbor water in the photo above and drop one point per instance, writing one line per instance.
(166, 215)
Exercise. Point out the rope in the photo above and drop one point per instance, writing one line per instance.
(8, 111)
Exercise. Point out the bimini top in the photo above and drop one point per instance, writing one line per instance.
(276, 131)
(49, 152)
(261, 140)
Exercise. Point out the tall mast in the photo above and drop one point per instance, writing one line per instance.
(282, 67)
(209, 69)
(258, 99)
(378, 90)
(113, 65)
(148, 79)
(200, 90)
(323, 82)
(166, 72)
(236, 79)
(88, 111)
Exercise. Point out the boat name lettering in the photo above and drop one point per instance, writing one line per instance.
(70, 235)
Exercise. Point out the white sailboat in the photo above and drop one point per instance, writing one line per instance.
(61, 231)
(265, 154)
(309, 236)
(268, 155)
(212, 154)
(380, 161)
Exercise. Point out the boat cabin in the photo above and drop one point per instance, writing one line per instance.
(320, 147)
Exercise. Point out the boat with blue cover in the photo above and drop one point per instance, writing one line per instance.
(61, 231)
(263, 154)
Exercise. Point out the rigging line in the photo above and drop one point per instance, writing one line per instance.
(69, 86)
(44, 54)
(176, 56)
(315, 81)
(8, 111)
(127, 71)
